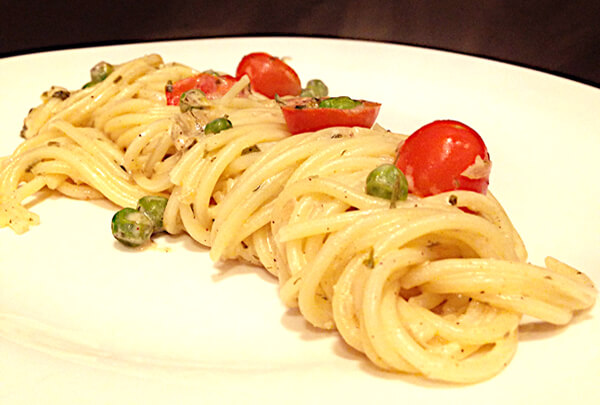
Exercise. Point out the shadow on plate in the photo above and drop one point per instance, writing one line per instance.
(233, 268)
(536, 330)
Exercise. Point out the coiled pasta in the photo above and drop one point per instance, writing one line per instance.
(435, 286)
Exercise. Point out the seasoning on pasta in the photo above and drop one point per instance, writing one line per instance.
(409, 257)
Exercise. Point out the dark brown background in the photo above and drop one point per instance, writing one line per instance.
(560, 37)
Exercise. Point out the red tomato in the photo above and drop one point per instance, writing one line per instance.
(444, 156)
(308, 119)
(269, 75)
(212, 85)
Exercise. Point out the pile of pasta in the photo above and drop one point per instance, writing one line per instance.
(435, 286)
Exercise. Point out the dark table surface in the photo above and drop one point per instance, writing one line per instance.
(559, 37)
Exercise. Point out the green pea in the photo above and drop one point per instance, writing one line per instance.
(217, 125)
(387, 181)
(194, 98)
(154, 208)
(131, 227)
(342, 103)
(315, 88)
(98, 73)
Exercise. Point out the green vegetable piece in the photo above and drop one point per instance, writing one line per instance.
(315, 88)
(131, 227)
(318, 87)
(387, 181)
(370, 260)
(154, 208)
(100, 71)
(217, 125)
(194, 98)
(342, 103)
(250, 149)
(279, 100)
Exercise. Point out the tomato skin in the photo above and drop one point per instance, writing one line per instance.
(212, 85)
(269, 75)
(300, 120)
(435, 157)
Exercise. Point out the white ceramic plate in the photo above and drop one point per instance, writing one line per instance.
(85, 321)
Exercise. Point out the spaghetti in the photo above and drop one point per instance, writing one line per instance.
(435, 286)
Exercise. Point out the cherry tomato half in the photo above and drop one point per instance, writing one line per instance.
(300, 116)
(269, 75)
(443, 156)
(212, 85)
